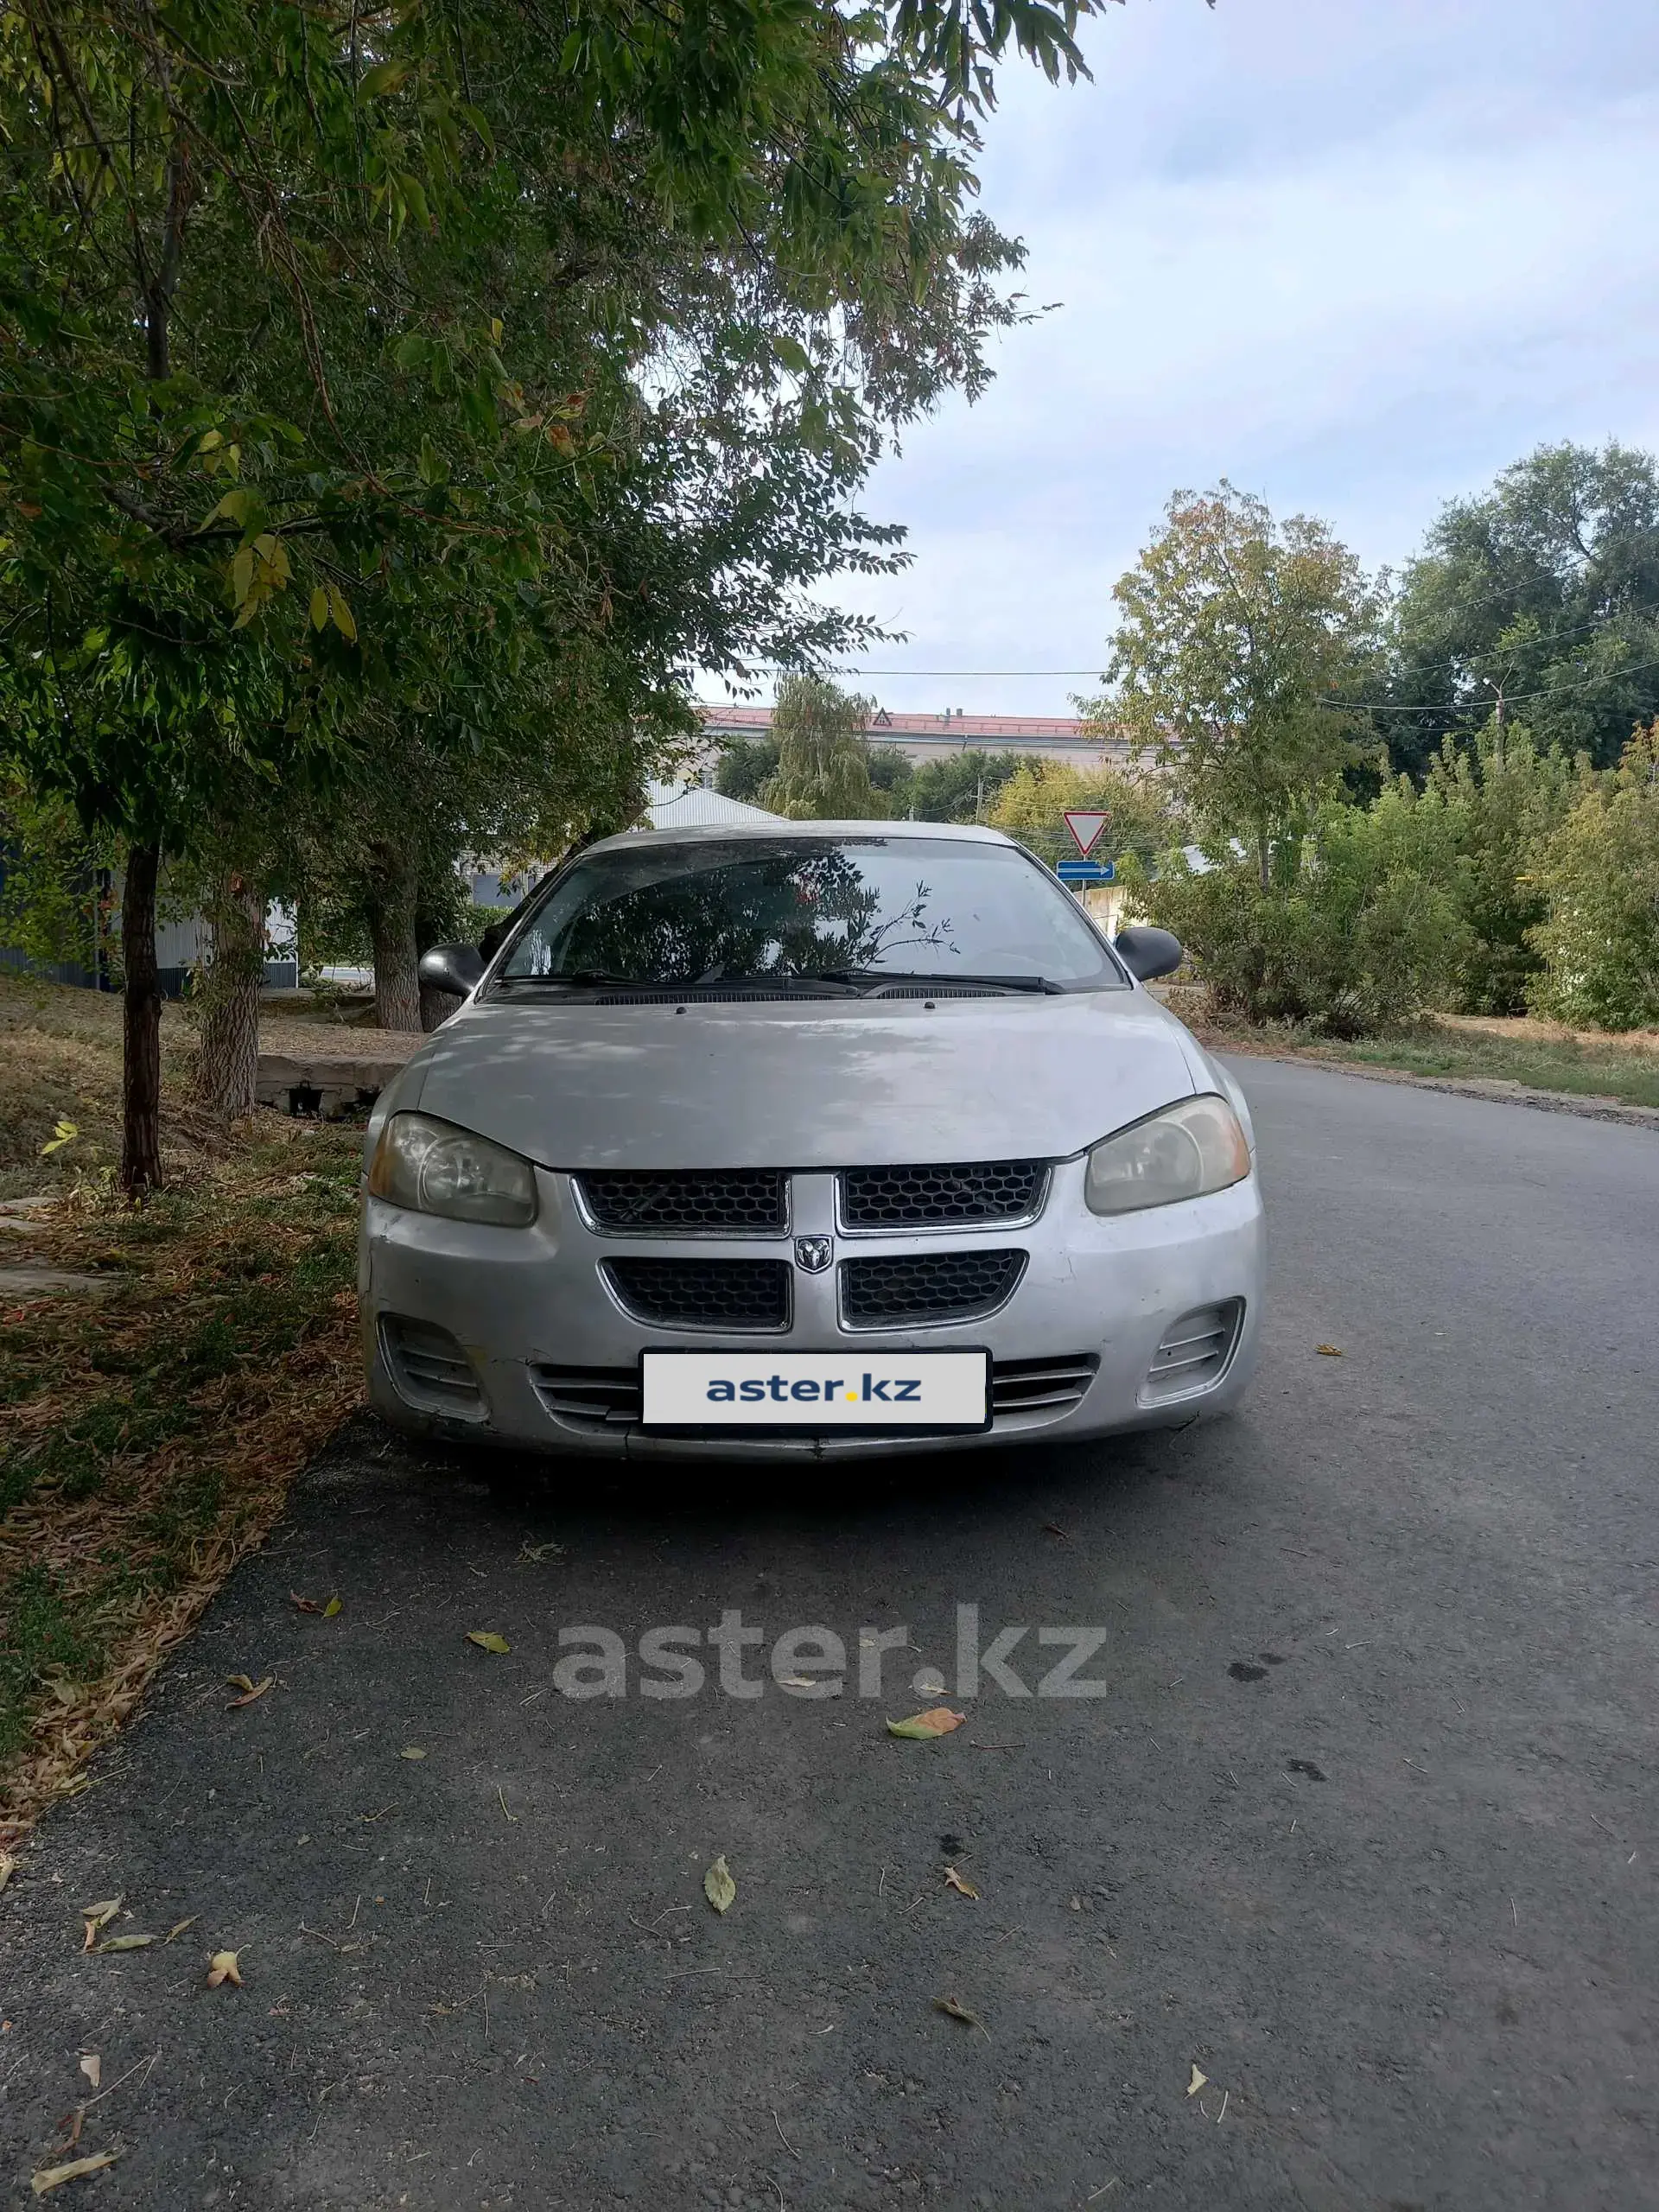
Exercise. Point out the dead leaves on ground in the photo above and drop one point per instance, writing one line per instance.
(1329, 1352)
(223, 1967)
(249, 1687)
(956, 2010)
(96, 1917)
(718, 1886)
(313, 1605)
(923, 1727)
(488, 1640)
(960, 1883)
(55, 2176)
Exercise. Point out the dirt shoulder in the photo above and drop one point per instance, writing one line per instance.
(168, 1369)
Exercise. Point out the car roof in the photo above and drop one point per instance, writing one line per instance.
(726, 833)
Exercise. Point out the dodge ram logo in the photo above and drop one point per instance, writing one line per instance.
(812, 1254)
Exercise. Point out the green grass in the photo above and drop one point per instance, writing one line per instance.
(1538, 1064)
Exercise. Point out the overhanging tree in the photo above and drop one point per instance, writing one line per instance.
(204, 551)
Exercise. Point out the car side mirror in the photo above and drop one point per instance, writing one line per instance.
(1148, 952)
(452, 968)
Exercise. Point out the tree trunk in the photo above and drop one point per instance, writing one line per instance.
(391, 931)
(141, 1033)
(227, 1062)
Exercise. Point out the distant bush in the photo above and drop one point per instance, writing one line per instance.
(1475, 828)
(1351, 942)
(1599, 875)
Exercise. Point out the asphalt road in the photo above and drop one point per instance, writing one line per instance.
(1362, 1825)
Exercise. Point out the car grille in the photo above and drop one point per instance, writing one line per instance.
(704, 1293)
(1194, 1352)
(902, 1288)
(1019, 1386)
(429, 1367)
(590, 1397)
(746, 1202)
(940, 1197)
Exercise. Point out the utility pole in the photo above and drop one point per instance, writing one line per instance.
(1498, 689)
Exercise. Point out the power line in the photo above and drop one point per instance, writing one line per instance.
(1509, 698)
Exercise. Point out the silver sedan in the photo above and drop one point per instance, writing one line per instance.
(807, 1139)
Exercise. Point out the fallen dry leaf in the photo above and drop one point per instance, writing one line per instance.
(179, 1926)
(97, 1915)
(250, 1690)
(958, 2010)
(411, 1752)
(55, 2176)
(304, 1605)
(938, 1721)
(488, 1640)
(8, 1867)
(955, 1881)
(1197, 2083)
(222, 1967)
(533, 1553)
(717, 1885)
(92, 2066)
(125, 1943)
(1329, 1352)
(331, 1608)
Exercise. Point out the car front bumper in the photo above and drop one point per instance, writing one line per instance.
(535, 1330)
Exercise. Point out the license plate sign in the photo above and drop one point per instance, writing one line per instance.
(808, 1389)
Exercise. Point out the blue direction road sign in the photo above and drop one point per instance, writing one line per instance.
(1088, 871)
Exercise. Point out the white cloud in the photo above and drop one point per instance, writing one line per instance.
(1355, 259)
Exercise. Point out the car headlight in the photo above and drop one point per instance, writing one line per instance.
(1184, 1152)
(432, 1167)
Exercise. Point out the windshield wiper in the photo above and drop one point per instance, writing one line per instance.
(873, 975)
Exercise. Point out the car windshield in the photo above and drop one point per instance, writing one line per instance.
(843, 909)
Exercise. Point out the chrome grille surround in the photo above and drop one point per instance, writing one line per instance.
(919, 1290)
(722, 1202)
(747, 1294)
(889, 1200)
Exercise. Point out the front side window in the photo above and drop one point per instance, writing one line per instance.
(845, 910)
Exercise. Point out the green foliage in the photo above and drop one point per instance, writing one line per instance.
(1547, 584)
(745, 765)
(54, 878)
(1349, 942)
(1474, 828)
(961, 787)
(1034, 799)
(822, 770)
(1238, 638)
(1599, 872)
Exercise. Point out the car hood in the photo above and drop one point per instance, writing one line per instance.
(793, 1083)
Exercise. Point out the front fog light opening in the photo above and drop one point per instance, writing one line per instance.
(1195, 1353)
(429, 1369)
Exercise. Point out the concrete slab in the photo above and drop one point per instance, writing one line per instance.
(342, 1075)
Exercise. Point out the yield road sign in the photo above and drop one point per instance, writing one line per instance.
(1085, 827)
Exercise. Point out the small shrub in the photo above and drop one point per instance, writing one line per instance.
(1599, 941)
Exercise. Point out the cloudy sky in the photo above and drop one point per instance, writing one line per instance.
(1356, 256)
